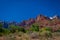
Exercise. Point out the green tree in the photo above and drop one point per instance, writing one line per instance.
(1, 25)
(34, 27)
(21, 29)
(1, 29)
(13, 28)
(6, 31)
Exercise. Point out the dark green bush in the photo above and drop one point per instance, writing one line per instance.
(58, 30)
(21, 29)
(34, 27)
(4, 31)
(14, 28)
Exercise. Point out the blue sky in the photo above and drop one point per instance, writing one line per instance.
(18, 10)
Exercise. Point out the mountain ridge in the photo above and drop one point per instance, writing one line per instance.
(41, 20)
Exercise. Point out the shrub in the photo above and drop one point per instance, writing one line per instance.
(34, 27)
(1, 25)
(58, 30)
(22, 29)
(13, 28)
(4, 31)
(46, 29)
(46, 32)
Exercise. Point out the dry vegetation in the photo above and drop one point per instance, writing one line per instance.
(32, 36)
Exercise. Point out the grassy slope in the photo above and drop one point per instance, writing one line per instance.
(32, 36)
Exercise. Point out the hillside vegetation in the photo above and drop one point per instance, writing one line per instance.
(41, 28)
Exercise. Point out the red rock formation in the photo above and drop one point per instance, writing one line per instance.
(43, 21)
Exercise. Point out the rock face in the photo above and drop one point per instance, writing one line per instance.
(23, 23)
(41, 18)
(27, 23)
(30, 21)
(43, 21)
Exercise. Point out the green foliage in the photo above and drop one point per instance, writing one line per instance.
(58, 30)
(22, 29)
(1, 31)
(46, 32)
(34, 27)
(4, 31)
(14, 28)
(46, 29)
(1, 25)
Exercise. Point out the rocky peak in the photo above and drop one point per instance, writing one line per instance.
(30, 21)
(41, 17)
(23, 23)
(27, 22)
(55, 17)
